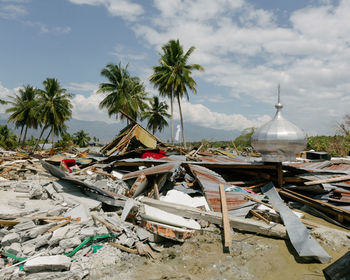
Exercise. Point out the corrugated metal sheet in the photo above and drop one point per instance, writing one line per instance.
(209, 182)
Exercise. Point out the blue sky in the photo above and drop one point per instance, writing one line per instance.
(246, 48)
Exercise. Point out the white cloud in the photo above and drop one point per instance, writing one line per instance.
(201, 115)
(126, 9)
(12, 11)
(124, 54)
(86, 108)
(248, 51)
(90, 87)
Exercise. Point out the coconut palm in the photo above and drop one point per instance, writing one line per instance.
(22, 111)
(2, 101)
(156, 115)
(173, 77)
(81, 138)
(54, 107)
(123, 92)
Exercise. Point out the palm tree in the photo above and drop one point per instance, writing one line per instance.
(123, 92)
(3, 102)
(81, 138)
(156, 115)
(22, 110)
(173, 77)
(54, 107)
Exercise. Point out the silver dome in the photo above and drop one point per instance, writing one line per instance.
(279, 140)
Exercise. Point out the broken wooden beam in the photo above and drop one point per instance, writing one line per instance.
(225, 220)
(329, 180)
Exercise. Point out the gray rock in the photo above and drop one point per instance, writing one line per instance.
(35, 190)
(70, 243)
(24, 226)
(17, 204)
(52, 263)
(56, 211)
(87, 232)
(38, 230)
(28, 249)
(10, 238)
(58, 235)
(143, 234)
(14, 248)
(56, 251)
(125, 240)
(2, 263)
(102, 230)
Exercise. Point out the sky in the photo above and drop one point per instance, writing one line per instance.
(246, 47)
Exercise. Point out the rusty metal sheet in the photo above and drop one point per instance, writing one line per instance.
(159, 169)
(340, 196)
(209, 182)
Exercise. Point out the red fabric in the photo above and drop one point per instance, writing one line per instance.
(155, 155)
(68, 163)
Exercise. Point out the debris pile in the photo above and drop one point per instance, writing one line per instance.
(64, 216)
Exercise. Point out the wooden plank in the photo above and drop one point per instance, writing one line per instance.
(105, 223)
(225, 220)
(242, 224)
(7, 223)
(329, 180)
(338, 212)
(123, 248)
(59, 225)
(256, 214)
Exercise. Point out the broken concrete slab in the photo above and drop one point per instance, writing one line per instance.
(24, 226)
(70, 243)
(10, 238)
(52, 263)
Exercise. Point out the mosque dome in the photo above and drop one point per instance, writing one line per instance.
(279, 140)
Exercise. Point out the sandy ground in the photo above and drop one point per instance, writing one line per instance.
(202, 257)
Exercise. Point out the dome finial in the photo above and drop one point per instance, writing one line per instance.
(279, 106)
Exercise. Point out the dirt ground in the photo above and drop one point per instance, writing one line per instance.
(202, 257)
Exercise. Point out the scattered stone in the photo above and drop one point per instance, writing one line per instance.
(14, 248)
(10, 238)
(35, 190)
(38, 230)
(58, 235)
(28, 249)
(52, 263)
(24, 226)
(70, 243)
(87, 232)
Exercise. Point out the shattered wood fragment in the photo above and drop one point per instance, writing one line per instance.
(145, 250)
(123, 248)
(256, 214)
(166, 231)
(105, 223)
(59, 225)
(225, 220)
(7, 223)
(340, 213)
(329, 180)
(155, 187)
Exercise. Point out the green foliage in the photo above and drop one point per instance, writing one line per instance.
(123, 92)
(244, 140)
(65, 142)
(156, 115)
(81, 138)
(337, 145)
(7, 138)
(173, 77)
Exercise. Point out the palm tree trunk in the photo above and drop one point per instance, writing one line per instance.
(41, 134)
(182, 122)
(20, 135)
(53, 135)
(47, 138)
(25, 136)
(172, 119)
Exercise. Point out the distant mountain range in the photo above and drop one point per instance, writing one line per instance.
(106, 132)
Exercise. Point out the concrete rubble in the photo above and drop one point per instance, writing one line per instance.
(60, 225)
